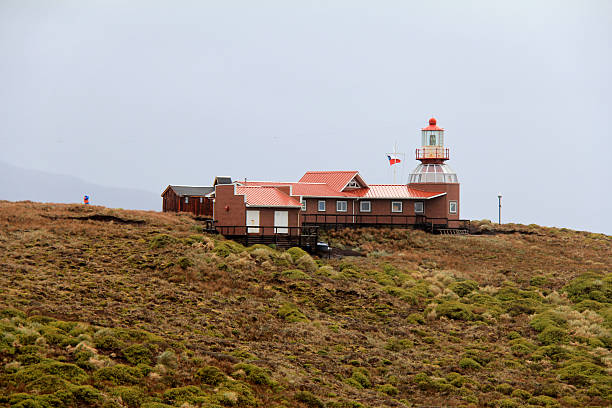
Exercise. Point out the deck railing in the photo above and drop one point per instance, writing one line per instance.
(392, 220)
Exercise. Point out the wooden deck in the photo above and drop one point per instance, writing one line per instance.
(305, 237)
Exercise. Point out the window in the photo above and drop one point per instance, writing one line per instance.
(432, 140)
(396, 206)
(353, 184)
(341, 206)
(419, 207)
(303, 204)
(186, 200)
(321, 205)
(365, 206)
(452, 207)
(200, 200)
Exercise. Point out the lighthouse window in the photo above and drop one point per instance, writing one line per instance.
(186, 200)
(432, 140)
(452, 207)
(418, 207)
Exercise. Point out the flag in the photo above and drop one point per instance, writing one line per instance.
(393, 160)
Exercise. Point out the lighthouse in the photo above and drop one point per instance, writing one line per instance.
(433, 174)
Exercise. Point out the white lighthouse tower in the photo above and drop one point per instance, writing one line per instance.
(433, 174)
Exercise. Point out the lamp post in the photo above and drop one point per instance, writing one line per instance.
(499, 196)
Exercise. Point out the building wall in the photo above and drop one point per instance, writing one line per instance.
(439, 207)
(230, 209)
(171, 202)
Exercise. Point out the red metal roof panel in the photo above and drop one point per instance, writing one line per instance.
(266, 196)
(336, 180)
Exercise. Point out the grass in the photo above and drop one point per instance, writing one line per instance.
(156, 314)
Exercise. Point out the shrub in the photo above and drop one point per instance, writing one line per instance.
(543, 401)
(549, 318)
(295, 274)
(296, 253)
(210, 375)
(360, 375)
(86, 395)
(181, 394)
(387, 389)
(161, 240)
(454, 310)
(465, 287)
(553, 335)
(307, 264)
(138, 354)
(290, 313)
(309, 399)
(507, 403)
(581, 374)
(254, 374)
(119, 375)
(69, 372)
(522, 394)
(590, 286)
(184, 262)
(132, 397)
(469, 364)
(168, 358)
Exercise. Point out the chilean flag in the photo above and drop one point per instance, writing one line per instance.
(393, 160)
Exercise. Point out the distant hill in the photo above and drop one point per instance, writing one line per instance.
(19, 184)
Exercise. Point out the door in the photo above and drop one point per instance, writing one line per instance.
(281, 222)
(253, 221)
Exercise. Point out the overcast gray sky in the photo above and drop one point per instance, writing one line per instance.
(143, 94)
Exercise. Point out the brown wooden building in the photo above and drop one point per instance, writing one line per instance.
(195, 200)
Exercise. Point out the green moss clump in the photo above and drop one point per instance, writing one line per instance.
(590, 287)
(388, 389)
(254, 374)
(225, 248)
(161, 240)
(119, 375)
(290, 313)
(138, 354)
(469, 364)
(295, 274)
(184, 262)
(296, 253)
(582, 374)
(398, 344)
(455, 310)
(180, 395)
(237, 394)
(463, 288)
(69, 372)
(132, 397)
(309, 399)
(546, 319)
(210, 375)
(553, 335)
(361, 376)
(544, 401)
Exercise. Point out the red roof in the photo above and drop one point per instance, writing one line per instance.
(266, 196)
(336, 180)
(432, 125)
(373, 191)
(396, 191)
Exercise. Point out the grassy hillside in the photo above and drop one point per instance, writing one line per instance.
(113, 308)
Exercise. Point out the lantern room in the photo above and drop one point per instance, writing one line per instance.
(432, 144)
(432, 155)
